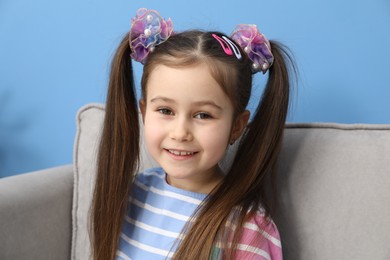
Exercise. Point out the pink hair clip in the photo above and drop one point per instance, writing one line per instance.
(255, 44)
(148, 29)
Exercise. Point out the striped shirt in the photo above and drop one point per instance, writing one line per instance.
(157, 213)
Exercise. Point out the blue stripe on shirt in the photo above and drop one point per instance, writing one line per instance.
(156, 215)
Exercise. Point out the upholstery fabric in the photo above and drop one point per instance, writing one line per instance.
(334, 185)
(35, 215)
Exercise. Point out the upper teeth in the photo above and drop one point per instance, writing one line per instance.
(180, 153)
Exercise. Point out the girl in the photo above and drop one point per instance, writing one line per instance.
(195, 89)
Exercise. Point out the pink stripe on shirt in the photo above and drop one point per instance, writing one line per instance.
(259, 240)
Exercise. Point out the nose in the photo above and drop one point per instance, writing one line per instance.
(181, 131)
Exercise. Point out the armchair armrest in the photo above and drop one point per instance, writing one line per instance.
(36, 214)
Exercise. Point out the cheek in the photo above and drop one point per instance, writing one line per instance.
(153, 134)
(216, 141)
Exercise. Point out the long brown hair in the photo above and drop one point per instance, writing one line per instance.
(245, 183)
(118, 157)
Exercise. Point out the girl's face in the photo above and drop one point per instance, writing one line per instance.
(188, 122)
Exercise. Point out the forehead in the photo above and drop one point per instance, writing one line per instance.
(218, 70)
(164, 78)
(186, 84)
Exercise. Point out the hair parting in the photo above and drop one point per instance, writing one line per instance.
(118, 157)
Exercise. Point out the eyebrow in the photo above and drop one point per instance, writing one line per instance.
(165, 99)
(198, 103)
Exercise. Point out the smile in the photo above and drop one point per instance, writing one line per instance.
(180, 153)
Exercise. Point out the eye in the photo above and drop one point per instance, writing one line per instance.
(203, 116)
(165, 111)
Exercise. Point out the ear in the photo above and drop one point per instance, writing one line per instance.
(239, 124)
(142, 107)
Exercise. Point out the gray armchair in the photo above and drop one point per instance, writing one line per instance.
(334, 188)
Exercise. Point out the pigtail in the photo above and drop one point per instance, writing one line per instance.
(118, 157)
(269, 122)
(262, 140)
(242, 192)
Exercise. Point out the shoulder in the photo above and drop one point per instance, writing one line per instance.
(260, 238)
(262, 225)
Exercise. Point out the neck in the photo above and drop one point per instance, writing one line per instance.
(202, 184)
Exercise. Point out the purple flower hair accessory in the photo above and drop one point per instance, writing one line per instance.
(255, 44)
(148, 29)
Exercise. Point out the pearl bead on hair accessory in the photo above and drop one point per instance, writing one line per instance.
(147, 32)
(149, 18)
(255, 67)
(255, 44)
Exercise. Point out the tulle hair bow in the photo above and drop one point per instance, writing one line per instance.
(148, 29)
(256, 46)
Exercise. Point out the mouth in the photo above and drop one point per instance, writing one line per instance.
(180, 153)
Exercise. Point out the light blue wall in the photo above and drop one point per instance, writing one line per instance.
(55, 55)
